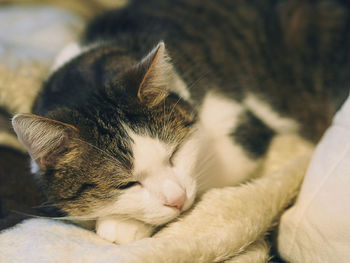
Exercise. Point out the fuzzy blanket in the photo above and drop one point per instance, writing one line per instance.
(226, 225)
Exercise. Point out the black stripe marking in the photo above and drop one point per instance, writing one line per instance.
(83, 188)
(253, 135)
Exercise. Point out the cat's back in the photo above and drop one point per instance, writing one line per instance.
(292, 55)
(281, 52)
(224, 45)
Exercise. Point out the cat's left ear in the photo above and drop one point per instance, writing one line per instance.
(157, 77)
(45, 139)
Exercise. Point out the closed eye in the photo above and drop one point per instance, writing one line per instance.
(171, 159)
(127, 185)
(85, 187)
(177, 148)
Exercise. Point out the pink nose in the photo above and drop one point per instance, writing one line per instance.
(176, 202)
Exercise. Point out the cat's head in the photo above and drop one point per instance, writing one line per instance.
(129, 149)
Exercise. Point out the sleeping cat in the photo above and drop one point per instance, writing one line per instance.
(163, 100)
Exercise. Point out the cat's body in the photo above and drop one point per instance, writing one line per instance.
(132, 143)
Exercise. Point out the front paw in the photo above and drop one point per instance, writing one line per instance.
(121, 231)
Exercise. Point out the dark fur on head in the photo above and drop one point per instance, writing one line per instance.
(90, 160)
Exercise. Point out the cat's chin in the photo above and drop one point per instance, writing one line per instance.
(140, 205)
(165, 215)
(122, 230)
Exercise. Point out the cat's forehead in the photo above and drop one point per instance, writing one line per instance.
(149, 152)
(168, 122)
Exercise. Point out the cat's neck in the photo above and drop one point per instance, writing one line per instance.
(217, 117)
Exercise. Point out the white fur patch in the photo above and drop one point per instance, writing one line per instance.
(120, 230)
(271, 118)
(149, 153)
(153, 169)
(219, 115)
(163, 188)
(67, 53)
(34, 167)
(180, 87)
(225, 163)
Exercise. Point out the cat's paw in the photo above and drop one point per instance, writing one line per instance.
(121, 231)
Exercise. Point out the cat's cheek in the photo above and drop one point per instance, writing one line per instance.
(138, 203)
(119, 230)
(189, 182)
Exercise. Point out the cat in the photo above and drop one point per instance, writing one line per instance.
(163, 100)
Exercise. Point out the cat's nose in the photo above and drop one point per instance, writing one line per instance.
(176, 202)
(174, 194)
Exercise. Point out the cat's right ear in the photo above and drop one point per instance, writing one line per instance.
(154, 77)
(43, 138)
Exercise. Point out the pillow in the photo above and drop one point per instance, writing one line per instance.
(317, 227)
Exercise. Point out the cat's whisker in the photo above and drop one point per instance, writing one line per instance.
(163, 131)
(82, 218)
(203, 185)
(189, 88)
(75, 218)
(205, 161)
(194, 83)
(172, 110)
(97, 148)
(203, 168)
(202, 173)
(125, 218)
(44, 206)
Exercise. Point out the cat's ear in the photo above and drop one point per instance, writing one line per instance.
(44, 139)
(156, 77)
